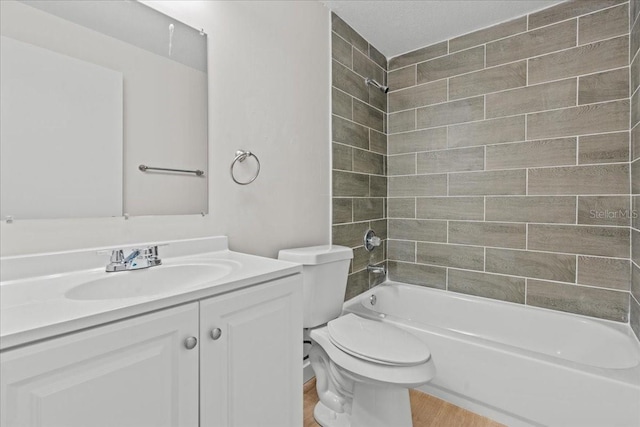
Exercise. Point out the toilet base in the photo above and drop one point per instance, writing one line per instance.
(373, 406)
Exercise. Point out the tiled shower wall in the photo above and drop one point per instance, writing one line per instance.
(634, 313)
(359, 147)
(508, 161)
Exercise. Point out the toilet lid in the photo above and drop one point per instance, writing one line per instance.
(377, 341)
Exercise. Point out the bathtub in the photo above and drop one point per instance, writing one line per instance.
(519, 365)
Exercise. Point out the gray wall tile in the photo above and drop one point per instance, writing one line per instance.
(635, 143)
(604, 272)
(634, 37)
(348, 33)
(489, 80)
(377, 57)
(402, 207)
(512, 182)
(604, 24)
(377, 141)
(603, 303)
(604, 148)
(342, 157)
(566, 10)
(418, 96)
(532, 43)
(635, 73)
(402, 78)
(368, 208)
(605, 86)
(368, 116)
(464, 110)
(414, 229)
(635, 246)
(421, 140)
(402, 122)
(403, 164)
(604, 210)
(634, 316)
(377, 186)
(349, 234)
(507, 129)
(457, 160)
(341, 50)
(341, 104)
(471, 208)
(418, 55)
(451, 65)
(348, 81)
(635, 10)
(342, 210)
(366, 67)
(401, 250)
(377, 99)
(532, 98)
(595, 118)
(635, 177)
(418, 185)
(532, 264)
(346, 184)
(552, 152)
(356, 284)
(348, 132)
(368, 162)
(504, 288)
(591, 58)
(504, 235)
(635, 281)
(635, 109)
(547, 209)
(415, 274)
(583, 240)
(485, 35)
(469, 257)
(598, 179)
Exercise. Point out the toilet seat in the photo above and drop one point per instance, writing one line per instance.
(367, 371)
(376, 341)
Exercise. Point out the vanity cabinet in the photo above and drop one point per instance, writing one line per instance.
(228, 360)
(134, 373)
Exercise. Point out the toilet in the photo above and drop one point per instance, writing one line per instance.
(364, 368)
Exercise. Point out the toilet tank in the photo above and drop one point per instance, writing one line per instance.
(324, 276)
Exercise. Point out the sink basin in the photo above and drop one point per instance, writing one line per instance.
(148, 282)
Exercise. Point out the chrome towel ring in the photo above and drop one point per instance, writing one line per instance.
(241, 156)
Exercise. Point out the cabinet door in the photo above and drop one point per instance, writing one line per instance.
(251, 375)
(135, 372)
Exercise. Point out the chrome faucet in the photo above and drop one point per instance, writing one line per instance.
(136, 260)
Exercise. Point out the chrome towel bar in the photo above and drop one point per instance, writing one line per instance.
(144, 168)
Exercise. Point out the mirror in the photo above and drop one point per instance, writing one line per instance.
(91, 90)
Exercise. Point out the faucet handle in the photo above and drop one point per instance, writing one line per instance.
(117, 256)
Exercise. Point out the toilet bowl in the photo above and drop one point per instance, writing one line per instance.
(364, 368)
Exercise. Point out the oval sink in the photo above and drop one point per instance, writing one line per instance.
(149, 281)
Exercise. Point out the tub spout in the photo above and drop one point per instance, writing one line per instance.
(377, 269)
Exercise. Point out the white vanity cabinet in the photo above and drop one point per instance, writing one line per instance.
(140, 372)
(135, 373)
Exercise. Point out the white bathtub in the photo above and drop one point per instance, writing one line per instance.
(518, 365)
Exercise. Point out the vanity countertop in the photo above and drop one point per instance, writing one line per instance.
(39, 307)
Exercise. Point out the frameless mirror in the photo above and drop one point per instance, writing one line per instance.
(90, 91)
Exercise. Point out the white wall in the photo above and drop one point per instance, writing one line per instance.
(269, 83)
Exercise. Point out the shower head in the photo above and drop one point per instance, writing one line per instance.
(374, 83)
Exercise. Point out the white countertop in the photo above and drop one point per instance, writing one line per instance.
(35, 308)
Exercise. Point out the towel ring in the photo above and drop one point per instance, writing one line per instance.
(241, 156)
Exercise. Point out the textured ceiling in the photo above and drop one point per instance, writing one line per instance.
(400, 26)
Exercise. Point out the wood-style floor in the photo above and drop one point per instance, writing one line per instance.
(427, 411)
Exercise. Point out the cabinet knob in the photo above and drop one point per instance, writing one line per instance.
(216, 333)
(190, 343)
